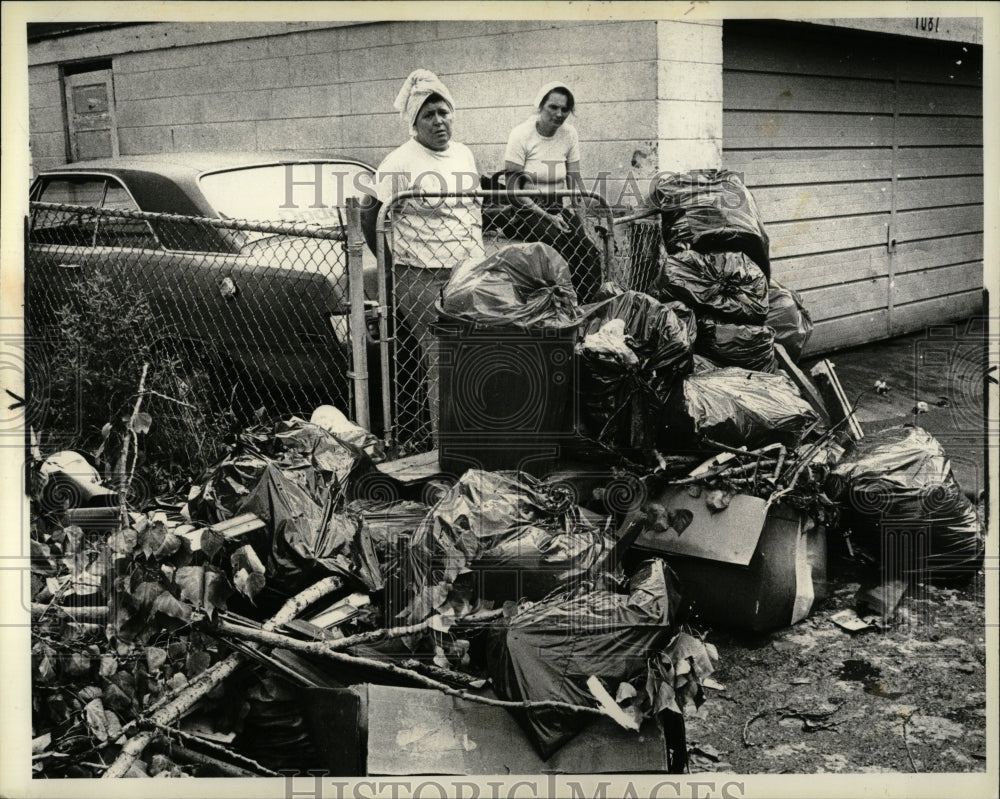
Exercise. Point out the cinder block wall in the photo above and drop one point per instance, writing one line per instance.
(332, 88)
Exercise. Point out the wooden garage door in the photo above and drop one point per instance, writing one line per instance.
(864, 153)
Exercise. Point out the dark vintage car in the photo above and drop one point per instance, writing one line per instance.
(274, 307)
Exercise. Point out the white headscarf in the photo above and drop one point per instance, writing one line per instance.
(546, 89)
(420, 85)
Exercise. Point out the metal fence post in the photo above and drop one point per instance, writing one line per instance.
(356, 288)
(383, 228)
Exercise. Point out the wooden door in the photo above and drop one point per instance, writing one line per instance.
(90, 115)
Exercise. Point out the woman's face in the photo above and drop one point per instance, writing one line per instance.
(555, 109)
(434, 125)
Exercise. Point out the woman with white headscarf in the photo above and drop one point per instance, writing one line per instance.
(543, 153)
(432, 235)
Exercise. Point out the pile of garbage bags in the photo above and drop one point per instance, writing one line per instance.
(905, 507)
(295, 476)
(490, 540)
(718, 262)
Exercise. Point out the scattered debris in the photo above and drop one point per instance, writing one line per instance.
(504, 620)
(849, 620)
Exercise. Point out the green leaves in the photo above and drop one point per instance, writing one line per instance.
(677, 674)
(141, 422)
(203, 587)
(156, 541)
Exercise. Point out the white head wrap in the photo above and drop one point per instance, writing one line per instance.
(546, 89)
(420, 85)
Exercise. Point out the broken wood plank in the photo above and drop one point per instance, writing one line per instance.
(837, 403)
(806, 386)
(229, 529)
(341, 611)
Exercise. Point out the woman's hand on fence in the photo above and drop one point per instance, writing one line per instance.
(561, 224)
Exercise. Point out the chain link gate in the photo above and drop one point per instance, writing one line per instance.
(260, 314)
(598, 249)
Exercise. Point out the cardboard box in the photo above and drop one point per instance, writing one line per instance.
(751, 566)
(383, 730)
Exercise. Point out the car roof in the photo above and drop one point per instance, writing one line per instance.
(168, 182)
(193, 163)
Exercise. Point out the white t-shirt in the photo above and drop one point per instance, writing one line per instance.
(543, 158)
(434, 232)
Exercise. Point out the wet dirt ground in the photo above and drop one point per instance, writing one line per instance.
(814, 698)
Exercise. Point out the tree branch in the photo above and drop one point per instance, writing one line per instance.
(175, 706)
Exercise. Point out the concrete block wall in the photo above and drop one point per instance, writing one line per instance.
(332, 88)
(689, 94)
(46, 133)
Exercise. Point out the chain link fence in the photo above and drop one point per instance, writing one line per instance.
(636, 249)
(253, 317)
(426, 235)
(254, 320)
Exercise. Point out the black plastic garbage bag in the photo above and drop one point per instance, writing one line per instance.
(711, 211)
(726, 285)
(632, 351)
(737, 407)
(305, 540)
(520, 285)
(548, 650)
(520, 536)
(903, 501)
(735, 344)
(310, 456)
(788, 318)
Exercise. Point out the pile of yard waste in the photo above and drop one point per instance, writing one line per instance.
(301, 609)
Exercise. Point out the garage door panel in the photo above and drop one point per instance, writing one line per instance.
(936, 310)
(815, 271)
(931, 192)
(948, 65)
(916, 162)
(824, 235)
(846, 298)
(925, 283)
(755, 91)
(768, 167)
(777, 203)
(935, 222)
(924, 98)
(743, 129)
(848, 331)
(929, 253)
(798, 54)
(935, 130)
(840, 133)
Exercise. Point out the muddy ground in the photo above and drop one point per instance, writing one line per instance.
(814, 698)
(909, 698)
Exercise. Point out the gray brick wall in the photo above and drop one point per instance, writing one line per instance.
(332, 89)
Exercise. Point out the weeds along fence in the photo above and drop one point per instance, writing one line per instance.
(242, 320)
(237, 319)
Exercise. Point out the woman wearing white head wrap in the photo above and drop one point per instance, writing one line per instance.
(543, 152)
(421, 84)
(430, 235)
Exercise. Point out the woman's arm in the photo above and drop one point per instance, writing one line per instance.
(575, 181)
(515, 171)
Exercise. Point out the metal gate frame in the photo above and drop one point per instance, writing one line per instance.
(599, 209)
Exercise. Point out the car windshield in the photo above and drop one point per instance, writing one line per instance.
(299, 192)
